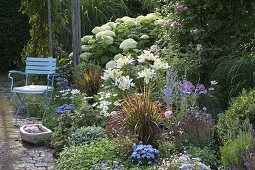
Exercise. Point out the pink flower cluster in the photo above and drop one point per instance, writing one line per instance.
(176, 25)
(31, 129)
(168, 114)
(182, 8)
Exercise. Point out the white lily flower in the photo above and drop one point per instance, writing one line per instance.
(124, 61)
(147, 74)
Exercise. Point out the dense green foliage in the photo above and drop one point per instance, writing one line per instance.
(240, 116)
(205, 31)
(85, 135)
(14, 34)
(231, 152)
(37, 11)
(85, 157)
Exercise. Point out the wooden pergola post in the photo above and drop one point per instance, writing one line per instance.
(76, 29)
(50, 28)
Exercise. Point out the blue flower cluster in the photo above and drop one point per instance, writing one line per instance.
(62, 83)
(187, 163)
(144, 154)
(64, 107)
(105, 166)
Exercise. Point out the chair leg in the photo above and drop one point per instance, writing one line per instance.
(47, 105)
(20, 108)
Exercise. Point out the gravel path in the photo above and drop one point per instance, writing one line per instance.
(15, 154)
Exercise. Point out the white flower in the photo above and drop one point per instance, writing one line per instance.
(146, 55)
(98, 29)
(158, 64)
(86, 38)
(147, 74)
(75, 91)
(107, 39)
(159, 22)
(128, 44)
(116, 57)
(85, 48)
(111, 74)
(214, 82)
(151, 17)
(111, 24)
(144, 37)
(124, 61)
(111, 64)
(124, 83)
(105, 33)
(107, 27)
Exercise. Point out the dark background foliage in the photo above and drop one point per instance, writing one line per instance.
(14, 33)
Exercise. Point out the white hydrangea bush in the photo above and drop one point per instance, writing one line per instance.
(125, 35)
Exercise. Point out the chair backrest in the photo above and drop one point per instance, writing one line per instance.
(40, 65)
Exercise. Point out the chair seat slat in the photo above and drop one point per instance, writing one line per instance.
(41, 59)
(40, 64)
(41, 68)
(39, 72)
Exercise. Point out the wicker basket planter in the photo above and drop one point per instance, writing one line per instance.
(35, 138)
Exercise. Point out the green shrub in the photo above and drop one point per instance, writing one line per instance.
(86, 156)
(85, 135)
(207, 155)
(231, 152)
(240, 116)
(68, 123)
(105, 42)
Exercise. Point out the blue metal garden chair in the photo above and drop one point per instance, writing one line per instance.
(35, 66)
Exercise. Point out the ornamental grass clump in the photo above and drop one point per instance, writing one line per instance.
(142, 117)
(144, 154)
(88, 78)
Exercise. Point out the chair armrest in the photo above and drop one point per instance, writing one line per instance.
(11, 72)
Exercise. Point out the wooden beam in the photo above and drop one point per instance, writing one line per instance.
(50, 29)
(76, 29)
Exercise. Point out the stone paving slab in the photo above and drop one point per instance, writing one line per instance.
(15, 154)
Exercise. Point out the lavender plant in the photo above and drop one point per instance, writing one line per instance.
(249, 158)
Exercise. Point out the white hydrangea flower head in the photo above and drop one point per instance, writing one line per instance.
(85, 48)
(130, 22)
(128, 44)
(146, 55)
(124, 61)
(124, 83)
(151, 17)
(111, 64)
(144, 37)
(107, 27)
(85, 55)
(159, 64)
(98, 29)
(147, 74)
(107, 40)
(105, 33)
(111, 74)
(86, 38)
(116, 57)
(159, 22)
(111, 24)
(140, 18)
